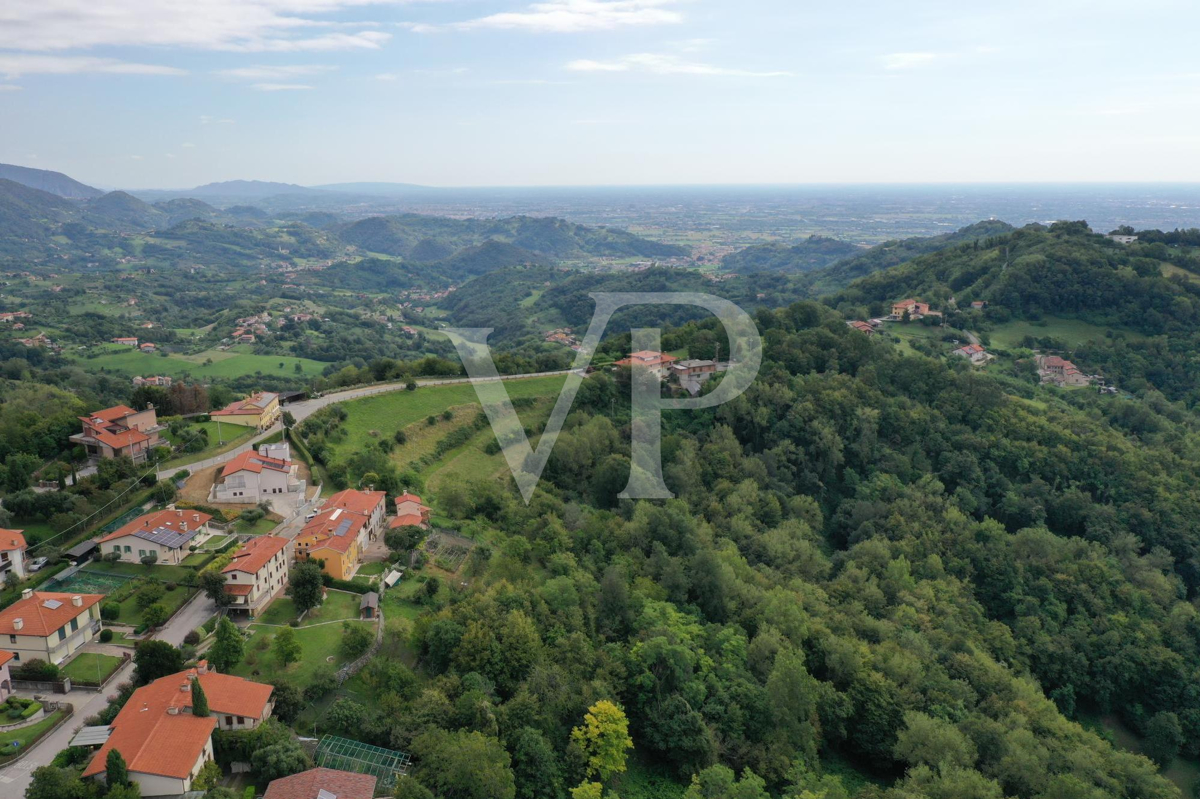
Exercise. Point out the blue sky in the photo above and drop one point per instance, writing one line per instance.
(167, 93)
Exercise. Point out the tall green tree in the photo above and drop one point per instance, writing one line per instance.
(306, 586)
(116, 772)
(604, 739)
(199, 700)
(286, 647)
(155, 659)
(229, 646)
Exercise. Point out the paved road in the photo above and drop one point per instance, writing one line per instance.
(302, 410)
(16, 778)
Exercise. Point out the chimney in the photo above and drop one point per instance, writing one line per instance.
(202, 667)
(183, 526)
(18, 624)
(195, 517)
(27, 593)
(172, 711)
(185, 687)
(77, 601)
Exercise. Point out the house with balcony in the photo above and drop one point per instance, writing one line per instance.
(49, 626)
(119, 431)
(164, 744)
(258, 573)
(12, 554)
(165, 535)
(251, 478)
(331, 538)
(259, 411)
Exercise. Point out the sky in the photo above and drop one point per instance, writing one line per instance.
(176, 93)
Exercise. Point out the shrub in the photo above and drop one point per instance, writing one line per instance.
(110, 611)
(36, 670)
(106, 635)
(149, 594)
(192, 638)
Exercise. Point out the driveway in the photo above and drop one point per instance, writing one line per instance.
(15, 779)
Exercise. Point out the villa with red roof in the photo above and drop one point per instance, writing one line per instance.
(258, 573)
(252, 477)
(409, 512)
(166, 535)
(259, 410)
(974, 353)
(49, 626)
(163, 743)
(119, 431)
(657, 362)
(1061, 372)
(12, 553)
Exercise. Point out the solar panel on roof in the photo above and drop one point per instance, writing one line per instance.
(166, 537)
(344, 527)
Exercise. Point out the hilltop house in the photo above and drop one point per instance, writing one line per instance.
(914, 308)
(49, 626)
(12, 554)
(409, 511)
(322, 783)
(119, 431)
(974, 353)
(657, 362)
(332, 538)
(163, 743)
(258, 573)
(259, 410)
(1061, 372)
(165, 536)
(251, 478)
(157, 380)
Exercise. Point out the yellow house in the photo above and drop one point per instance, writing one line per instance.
(332, 537)
(259, 410)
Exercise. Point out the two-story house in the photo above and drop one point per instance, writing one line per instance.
(12, 554)
(164, 744)
(371, 505)
(251, 478)
(656, 362)
(117, 431)
(409, 511)
(331, 538)
(49, 626)
(164, 535)
(259, 410)
(258, 573)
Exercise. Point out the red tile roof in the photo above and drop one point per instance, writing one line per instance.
(114, 413)
(5, 657)
(11, 540)
(238, 589)
(363, 502)
(39, 620)
(252, 405)
(307, 784)
(322, 529)
(647, 358)
(251, 461)
(407, 497)
(405, 519)
(174, 520)
(255, 554)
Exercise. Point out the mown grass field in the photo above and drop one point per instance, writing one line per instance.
(1072, 332)
(227, 364)
(91, 668)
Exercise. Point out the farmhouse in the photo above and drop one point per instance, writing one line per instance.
(128, 341)
(657, 362)
(12, 554)
(119, 431)
(49, 626)
(258, 573)
(409, 511)
(164, 536)
(163, 743)
(259, 410)
(861, 326)
(251, 478)
(157, 380)
(1061, 372)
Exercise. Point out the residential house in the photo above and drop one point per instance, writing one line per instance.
(164, 744)
(164, 535)
(258, 573)
(157, 380)
(332, 538)
(49, 626)
(119, 431)
(5, 675)
(974, 353)
(372, 505)
(322, 783)
(1121, 239)
(409, 512)
(1061, 372)
(656, 362)
(861, 326)
(914, 308)
(280, 450)
(146, 346)
(128, 341)
(251, 478)
(12, 554)
(259, 410)
(979, 305)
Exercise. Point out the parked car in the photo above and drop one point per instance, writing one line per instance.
(37, 564)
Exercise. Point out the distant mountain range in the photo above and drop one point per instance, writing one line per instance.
(44, 180)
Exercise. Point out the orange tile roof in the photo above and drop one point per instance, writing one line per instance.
(251, 461)
(238, 589)
(364, 502)
(407, 497)
(5, 656)
(647, 358)
(173, 520)
(405, 519)
(308, 784)
(255, 554)
(39, 620)
(321, 532)
(120, 440)
(11, 539)
(252, 405)
(114, 413)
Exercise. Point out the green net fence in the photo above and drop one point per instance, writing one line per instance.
(347, 755)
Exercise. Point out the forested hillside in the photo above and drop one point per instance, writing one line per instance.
(815, 252)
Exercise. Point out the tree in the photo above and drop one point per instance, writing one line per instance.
(463, 765)
(409, 788)
(199, 700)
(279, 760)
(229, 646)
(289, 701)
(155, 659)
(52, 782)
(719, 782)
(207, 779)
(344, 715)
(286, 647)
(289, 421)
(155, 616)
(212, 583)
(1164, 737)
(306, 586)
(604, 739)
(356, 640)
(536, 769)
(929, 741)
(115, 770)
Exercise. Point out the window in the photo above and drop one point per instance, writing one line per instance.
(12, 639)
(74, 625)
(229, 721)
(128, 549)
(16, 655)
(141, 553)
(62, 633)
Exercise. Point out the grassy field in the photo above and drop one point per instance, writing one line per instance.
(338, 606)
(225, 364)
(164, 572)
(318, 642)
(27, 735)
(1071, 331)
(229, 437)
(90, 668)
(131, 614)
(260, 527)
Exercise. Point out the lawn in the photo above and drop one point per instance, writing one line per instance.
(91, 668)
(131, 614)
(260, 527)
(338, 606)
(319, 649)
(166, 572)
(1072, 332)
(218, 439)
(28, 735)
(228, 364)
(372, 568)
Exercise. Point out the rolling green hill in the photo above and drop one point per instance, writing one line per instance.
(55, 183)
(815, 252)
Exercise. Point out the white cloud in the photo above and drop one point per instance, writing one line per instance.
(207, 120)
(266, 73)
(387, 76)
(9, 87)
(187, 144)
(280, 87)
(666, 64)
(245, 25)
(908, 60)
(14, 64)
(571, 16)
